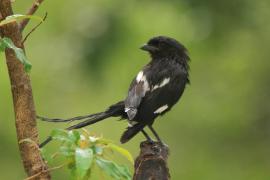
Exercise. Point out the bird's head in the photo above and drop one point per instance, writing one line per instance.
(165, 47)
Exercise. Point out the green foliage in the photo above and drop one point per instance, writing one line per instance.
(2, 46)
(122, 151)
(7, 43)
(83, 160)
(114, 170)
(82, 151)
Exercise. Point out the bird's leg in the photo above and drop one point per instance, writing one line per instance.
(147, 136)
(155, 133)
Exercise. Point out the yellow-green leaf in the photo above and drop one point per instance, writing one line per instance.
(112, 169)
(122, 151)
(16, 17)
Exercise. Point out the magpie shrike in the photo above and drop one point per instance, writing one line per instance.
(152, 93)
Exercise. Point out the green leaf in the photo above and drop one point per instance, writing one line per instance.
(74, 136)
(66, 151)
(72, 169)
(7, 43)
(46, 155)
(122, 151)
(16, 17)
(2, 46)
(60, 134)
(83, 159)
(113, 170)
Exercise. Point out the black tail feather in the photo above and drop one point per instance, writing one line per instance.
(98, 117)
(113, 111)
(131, 132)
(65, 120)
(117, 108)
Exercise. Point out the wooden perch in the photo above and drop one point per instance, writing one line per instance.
(25, 115)
(151, 164)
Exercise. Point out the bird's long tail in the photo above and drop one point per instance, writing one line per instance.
(116, 110)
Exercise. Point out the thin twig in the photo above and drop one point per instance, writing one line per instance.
(48, 170)
(31, 11)
(34, 28)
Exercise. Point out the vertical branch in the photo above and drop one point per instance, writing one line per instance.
(22, 101)
(151, 164)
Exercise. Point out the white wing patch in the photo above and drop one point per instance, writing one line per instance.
(142, 78)
(127, 109)
(163, 83)
(139, 76)
(161, 109)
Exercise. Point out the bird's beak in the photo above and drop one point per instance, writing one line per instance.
(149, 48)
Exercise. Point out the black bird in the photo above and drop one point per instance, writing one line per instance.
(152, 93)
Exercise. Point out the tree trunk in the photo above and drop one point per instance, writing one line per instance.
(22, 101)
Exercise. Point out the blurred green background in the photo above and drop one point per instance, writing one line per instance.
(87, 52)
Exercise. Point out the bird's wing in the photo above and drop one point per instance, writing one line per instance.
(137, 91)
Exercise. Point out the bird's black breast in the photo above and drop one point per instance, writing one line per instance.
(161, 97)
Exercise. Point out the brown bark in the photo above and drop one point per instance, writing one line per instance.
(151, 164)
(23, 101)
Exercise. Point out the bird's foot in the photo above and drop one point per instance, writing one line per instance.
(150, 141)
